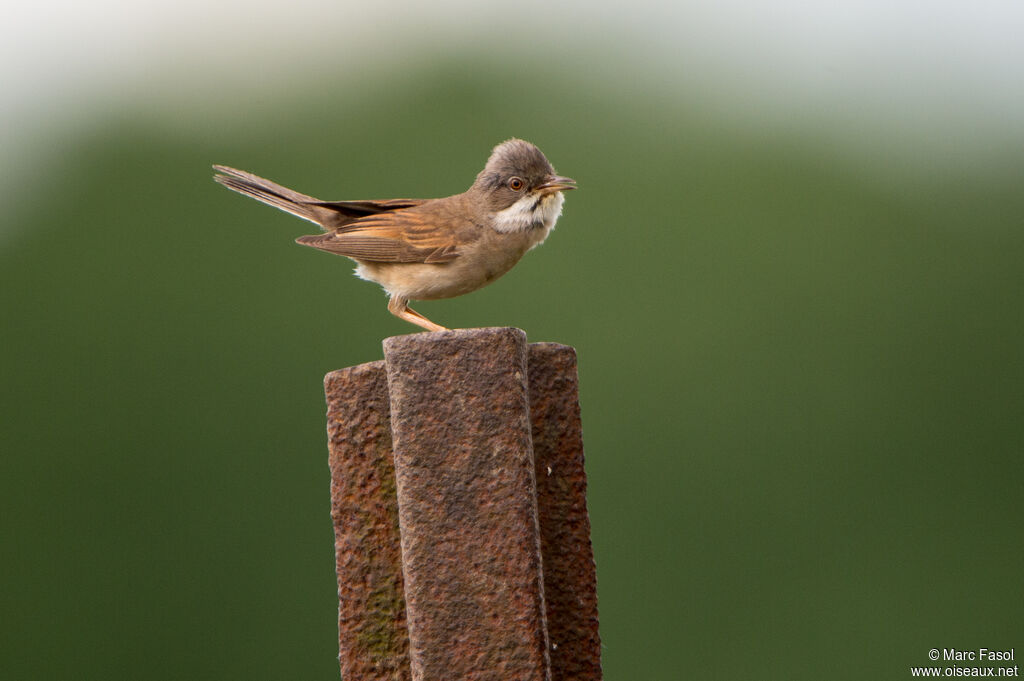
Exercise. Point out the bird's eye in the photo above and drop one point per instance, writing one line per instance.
(516, 184)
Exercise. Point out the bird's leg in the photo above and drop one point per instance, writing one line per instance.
(399, 307)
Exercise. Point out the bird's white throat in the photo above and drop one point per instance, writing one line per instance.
(529, 212)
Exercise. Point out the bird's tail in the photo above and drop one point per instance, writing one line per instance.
(270, 193)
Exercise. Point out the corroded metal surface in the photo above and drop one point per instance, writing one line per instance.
(570, 578)
(467, 505)
(487, 451)
(372, 635)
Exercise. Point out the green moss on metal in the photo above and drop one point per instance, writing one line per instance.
(384, 636)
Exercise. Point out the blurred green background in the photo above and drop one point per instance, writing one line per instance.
(801, 368)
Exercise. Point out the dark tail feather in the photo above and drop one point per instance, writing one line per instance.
(270, 193)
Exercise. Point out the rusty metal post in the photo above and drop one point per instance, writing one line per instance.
(570, 577)
(467, 505)
(469, 456)
(373, 641)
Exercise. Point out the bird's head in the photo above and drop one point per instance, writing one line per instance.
(520, 187)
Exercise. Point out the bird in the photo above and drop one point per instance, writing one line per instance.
(430, 249)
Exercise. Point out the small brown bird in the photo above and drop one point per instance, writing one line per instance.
(428, 249)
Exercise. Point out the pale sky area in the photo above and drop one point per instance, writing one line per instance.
(937, 66)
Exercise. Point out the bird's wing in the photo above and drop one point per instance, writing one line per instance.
(345, 212)
(395, 236)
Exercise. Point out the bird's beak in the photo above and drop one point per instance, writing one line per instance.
(554, 183)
